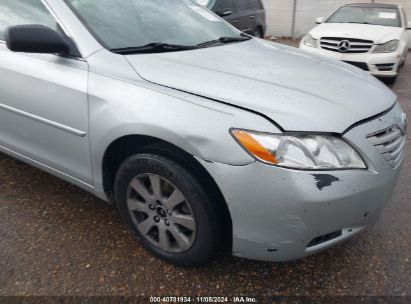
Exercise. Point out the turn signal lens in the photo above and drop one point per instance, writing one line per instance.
(254, 147)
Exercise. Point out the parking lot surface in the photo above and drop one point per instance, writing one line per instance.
(56, 239)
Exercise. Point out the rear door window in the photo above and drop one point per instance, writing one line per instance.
(242, 5)
(256, 4)
(223, 5)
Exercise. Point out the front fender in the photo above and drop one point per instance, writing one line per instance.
(197, 125)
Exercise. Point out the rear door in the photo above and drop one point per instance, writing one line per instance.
(258, 16)
(244, 21)
(227, 10)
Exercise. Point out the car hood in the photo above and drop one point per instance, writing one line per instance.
(377, 33)
(297, 90)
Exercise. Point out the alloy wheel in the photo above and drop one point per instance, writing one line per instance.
(161, 213)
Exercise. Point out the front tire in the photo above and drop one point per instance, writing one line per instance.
(258, 33)
(167, 210)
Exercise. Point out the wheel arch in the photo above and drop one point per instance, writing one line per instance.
(128, 145)
(261, 28)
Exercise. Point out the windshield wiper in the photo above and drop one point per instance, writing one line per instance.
(160, 47)
(224, 40)
(156, 47)
(358, 22)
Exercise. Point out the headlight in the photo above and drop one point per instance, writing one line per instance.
(310, 41)
(389, 47)
(300, 151)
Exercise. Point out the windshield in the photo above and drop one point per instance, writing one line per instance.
(120, 24)
(367, 15)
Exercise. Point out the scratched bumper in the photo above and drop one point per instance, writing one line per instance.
(277, 213)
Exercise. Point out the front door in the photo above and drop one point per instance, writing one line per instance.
(43, 99)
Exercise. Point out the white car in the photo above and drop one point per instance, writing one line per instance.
(372, 37)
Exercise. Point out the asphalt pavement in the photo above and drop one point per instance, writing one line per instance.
(56, 239)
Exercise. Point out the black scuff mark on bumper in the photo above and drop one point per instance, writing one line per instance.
(325, 180)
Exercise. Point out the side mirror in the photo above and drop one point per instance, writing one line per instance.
(224, 13)
(409, 26)
(36, 39)
(320, 20)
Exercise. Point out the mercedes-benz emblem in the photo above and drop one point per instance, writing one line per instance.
(344, 46)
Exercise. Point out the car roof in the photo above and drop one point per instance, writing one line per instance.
(376, 5)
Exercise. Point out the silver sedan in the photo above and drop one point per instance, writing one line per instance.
(207, 140)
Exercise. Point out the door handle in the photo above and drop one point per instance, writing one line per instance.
(236, 21)
(224, 13)
(252, 17)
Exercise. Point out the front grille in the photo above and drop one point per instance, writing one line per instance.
(346, 45)
(385, 66)
(361, 65)
(390, 143)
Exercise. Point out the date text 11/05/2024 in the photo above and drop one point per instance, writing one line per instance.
(204, 299)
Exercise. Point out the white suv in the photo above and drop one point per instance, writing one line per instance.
(372, 37)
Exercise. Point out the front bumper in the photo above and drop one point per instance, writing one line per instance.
(281, 214)
(381, 65)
